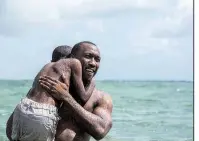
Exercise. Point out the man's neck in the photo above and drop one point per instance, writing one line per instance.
(86, 83)
(89, 87)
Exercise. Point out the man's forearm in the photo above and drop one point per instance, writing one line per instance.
(93, 124)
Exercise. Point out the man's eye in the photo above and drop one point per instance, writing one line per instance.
(97, 59)
(87, 56)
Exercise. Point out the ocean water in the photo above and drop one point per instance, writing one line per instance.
(142, 111)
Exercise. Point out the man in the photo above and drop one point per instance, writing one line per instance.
(82, 120)
(58, 53)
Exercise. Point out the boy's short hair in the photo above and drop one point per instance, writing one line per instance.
(60, 52)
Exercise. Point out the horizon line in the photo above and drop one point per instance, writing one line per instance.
(135, 80)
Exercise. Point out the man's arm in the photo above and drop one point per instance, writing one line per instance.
(98, 123)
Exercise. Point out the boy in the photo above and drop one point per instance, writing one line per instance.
(36, 116)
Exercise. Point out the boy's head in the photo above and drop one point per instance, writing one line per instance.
(61, 52)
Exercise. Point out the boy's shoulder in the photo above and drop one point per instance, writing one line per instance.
(66, 60)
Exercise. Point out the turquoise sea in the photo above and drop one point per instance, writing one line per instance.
(143, 110)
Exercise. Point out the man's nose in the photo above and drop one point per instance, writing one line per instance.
(92, 62)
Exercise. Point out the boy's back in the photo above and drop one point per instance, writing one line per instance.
(55, 70)
(36, 117)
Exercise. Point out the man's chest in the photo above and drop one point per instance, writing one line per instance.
(92, 103)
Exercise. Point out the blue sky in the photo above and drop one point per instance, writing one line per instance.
(138, 39)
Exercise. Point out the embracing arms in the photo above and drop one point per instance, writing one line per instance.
(76, 76)
(98, 123)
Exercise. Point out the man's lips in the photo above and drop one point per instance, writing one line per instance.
(90, 71)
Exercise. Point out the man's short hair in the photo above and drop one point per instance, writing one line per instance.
(60, 52)
(77, 46)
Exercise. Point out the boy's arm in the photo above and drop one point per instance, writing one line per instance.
(90, 88)
(76, 74)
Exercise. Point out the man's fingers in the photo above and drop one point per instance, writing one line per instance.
(45, 82)
(63, 85)
(45, 86)
(52, 91)
(50, 86)
(43, 79)
(50, 78)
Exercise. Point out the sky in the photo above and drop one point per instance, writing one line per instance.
(138, 39)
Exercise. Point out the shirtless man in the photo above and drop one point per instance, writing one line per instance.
(36, 117)
(80, 120)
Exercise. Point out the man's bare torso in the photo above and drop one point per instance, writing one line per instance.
(68, 128)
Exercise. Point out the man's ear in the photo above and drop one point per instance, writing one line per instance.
(63, 76)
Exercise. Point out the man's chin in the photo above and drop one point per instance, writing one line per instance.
(88, 78)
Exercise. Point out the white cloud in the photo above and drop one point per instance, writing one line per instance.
(96, 25)
(185, 5)
(135, 27)
(33, 11)
(167, 33)
(179, 18)
(20, 13)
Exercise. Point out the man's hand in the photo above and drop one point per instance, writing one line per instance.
(55, 88)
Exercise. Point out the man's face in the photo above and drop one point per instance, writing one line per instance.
(89, 57)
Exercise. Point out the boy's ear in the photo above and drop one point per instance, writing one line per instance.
(71, 56)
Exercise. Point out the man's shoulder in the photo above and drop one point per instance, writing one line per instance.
(102, 93)
(103, 97)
